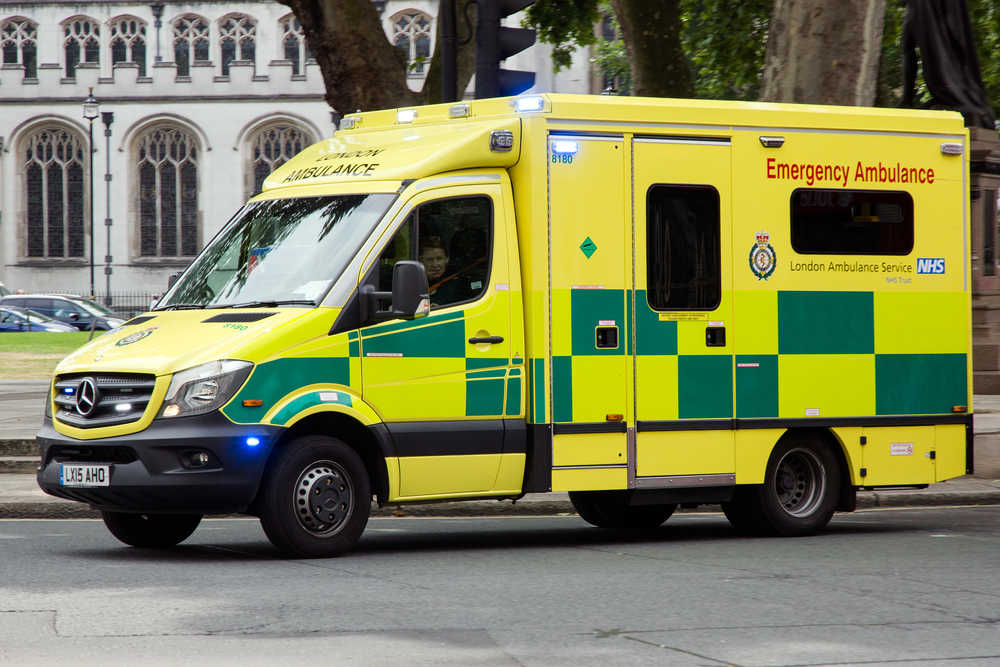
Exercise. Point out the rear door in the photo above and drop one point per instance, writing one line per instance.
(684, 311)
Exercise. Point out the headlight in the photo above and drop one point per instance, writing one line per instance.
(204, 388)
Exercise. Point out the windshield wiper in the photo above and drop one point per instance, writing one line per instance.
(182, 306)
(267, 303)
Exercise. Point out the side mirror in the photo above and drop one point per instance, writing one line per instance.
(410, 298)
(74, 316)
(172, 278)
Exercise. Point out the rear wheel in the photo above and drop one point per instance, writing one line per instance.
(316, 499)
(152, 531)
(599, 509)
(799, 493)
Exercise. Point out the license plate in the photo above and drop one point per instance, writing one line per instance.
(84, 475)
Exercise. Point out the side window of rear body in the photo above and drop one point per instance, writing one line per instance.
(851, 222)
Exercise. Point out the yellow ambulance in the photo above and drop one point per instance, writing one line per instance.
(644, 302)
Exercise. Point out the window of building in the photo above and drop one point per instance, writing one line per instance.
(683, 254)
(190, 42)
(273, 147)
(452, 239)
(54, 194)
(294, 43)
(851, 222)
(81, 43)
(411, 33)
(238, 34)
(128, 42)
(19, 45)
(167, 160)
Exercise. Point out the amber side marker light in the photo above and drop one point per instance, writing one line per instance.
(253, 404)
(616, 418)
(959, 408)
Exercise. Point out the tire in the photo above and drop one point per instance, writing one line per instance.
(315, 499)
(739, 513)
(799, 494)
(151, 531)
(597, 509)
(583, 503)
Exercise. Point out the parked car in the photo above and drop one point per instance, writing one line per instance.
(18, 319)
(76, 311)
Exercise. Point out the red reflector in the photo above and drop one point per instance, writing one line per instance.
(616, 418)
(253, 404)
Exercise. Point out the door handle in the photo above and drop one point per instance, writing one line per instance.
(488, 340)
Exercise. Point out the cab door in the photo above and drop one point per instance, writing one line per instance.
(439, 382)
(683, 310)
(590, 246)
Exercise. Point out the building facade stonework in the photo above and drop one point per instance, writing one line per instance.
(208, 98)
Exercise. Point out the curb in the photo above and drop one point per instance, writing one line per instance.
(56, 509)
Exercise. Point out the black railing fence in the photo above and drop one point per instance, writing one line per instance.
(125, 304)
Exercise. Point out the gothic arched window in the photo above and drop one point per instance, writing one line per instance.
(294, 43)
(167, 166)
(237, 33)
(411, 33)
(272, 147)
(81, 43)
(190, 42)
(128, 42)
(19, 44)
(54, 194)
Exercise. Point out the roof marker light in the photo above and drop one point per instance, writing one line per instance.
(561, 146)
(458, 111)
(406, 115)
(951, 148)
(349, 123)
(530, 104)
(253, 442)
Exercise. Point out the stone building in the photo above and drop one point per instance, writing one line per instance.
(207, 98)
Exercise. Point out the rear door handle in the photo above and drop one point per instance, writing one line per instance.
(489, 340)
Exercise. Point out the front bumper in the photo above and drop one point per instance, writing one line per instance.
(150, 470)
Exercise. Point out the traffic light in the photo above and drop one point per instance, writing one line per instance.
(494, 43)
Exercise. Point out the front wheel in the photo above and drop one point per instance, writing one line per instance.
(799, 494)
(151, 531)
(316, 499)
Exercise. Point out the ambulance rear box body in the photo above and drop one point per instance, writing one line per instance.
(642, 302)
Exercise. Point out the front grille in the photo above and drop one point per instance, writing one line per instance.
(90, 454)
(120, 398)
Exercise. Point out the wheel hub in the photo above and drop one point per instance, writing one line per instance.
(800, 482)
(324, 498)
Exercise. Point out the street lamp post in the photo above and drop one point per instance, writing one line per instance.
(90, 110)
(107, 117)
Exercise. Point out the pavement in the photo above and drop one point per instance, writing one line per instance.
(22, 402)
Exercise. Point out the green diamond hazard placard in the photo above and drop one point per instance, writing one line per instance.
(588, 247)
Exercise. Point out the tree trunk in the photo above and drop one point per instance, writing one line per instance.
(361, 69)
(821, 52)
(651, 32)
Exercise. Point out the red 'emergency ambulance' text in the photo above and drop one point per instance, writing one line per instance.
(816, 173)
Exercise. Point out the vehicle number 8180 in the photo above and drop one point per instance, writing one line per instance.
(562, 158)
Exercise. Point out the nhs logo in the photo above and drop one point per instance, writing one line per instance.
(930, 266)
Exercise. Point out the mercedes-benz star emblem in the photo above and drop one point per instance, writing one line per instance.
(86, 396)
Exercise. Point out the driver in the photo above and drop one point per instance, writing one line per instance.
(443, 289)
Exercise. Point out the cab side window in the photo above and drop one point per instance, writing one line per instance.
(453, 239)
(683, 254)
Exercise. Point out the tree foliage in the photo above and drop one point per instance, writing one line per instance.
(565, 24)
(725, 43)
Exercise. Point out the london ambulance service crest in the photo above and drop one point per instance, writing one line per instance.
(136, 337)
(763, 259)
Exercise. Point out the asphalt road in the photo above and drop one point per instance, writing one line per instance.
(886, 587)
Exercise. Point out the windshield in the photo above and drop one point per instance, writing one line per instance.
(279, 252)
